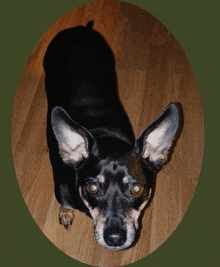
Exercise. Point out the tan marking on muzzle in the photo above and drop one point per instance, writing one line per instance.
(133, 215)
(145, 202)
(94, 212)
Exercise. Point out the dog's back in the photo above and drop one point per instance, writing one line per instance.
(80, 77)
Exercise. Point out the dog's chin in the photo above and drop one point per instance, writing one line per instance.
(115, 248)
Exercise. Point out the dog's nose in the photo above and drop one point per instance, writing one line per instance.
(115, 236)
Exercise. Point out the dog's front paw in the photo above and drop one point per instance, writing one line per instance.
(66, 216)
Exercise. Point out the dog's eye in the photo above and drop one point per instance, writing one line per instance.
(137, 189)
(92, 188)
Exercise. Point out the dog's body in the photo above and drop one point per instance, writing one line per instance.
(98, 166)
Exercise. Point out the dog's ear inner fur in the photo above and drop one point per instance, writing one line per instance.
(75, 142)
(155, 141)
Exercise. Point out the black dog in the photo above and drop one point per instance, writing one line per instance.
(98, 166)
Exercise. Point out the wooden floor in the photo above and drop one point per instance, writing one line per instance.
(152, 71)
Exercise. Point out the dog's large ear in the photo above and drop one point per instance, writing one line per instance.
(75, 142)
(154, 141)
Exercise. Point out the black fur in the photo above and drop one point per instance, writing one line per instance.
(80, 77)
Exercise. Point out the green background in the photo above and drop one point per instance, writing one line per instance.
(196, 26)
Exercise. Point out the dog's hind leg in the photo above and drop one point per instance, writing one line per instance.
(66, 216)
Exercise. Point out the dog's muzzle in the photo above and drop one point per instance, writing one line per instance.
(114, 235)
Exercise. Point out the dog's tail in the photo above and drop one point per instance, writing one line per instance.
(90, 24)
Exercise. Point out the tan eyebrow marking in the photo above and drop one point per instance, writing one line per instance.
(101, 178)
(126, 179)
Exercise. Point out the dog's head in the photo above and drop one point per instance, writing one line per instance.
(115, 190)
(115, 196)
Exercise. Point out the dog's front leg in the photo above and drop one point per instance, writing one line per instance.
(66, 216)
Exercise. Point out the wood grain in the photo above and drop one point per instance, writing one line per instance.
(152, 71)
